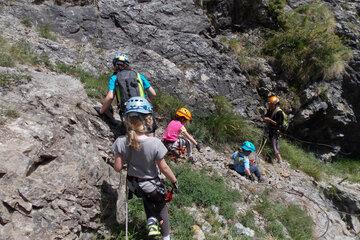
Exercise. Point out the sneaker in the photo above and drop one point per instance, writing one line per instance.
(154, 230)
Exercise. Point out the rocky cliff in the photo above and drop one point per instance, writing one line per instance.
(328, 111)
(55, 179)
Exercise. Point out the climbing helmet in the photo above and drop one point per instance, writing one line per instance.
(120, 57)
(273, 99)
(184, 112)
(138, 105)
(248, 146)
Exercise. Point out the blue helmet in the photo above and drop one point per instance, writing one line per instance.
(138, 105)
(248, 146)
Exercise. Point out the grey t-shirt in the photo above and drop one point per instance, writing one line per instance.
(141, 163)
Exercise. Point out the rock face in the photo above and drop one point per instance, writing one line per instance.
(164, 37)
(329, 110)
(54, 182)
(172, 40)
(54, 177)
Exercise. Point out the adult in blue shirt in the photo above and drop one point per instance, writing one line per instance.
(121, 62)
(244, 161)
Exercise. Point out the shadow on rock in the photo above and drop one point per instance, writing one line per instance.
(108, 207)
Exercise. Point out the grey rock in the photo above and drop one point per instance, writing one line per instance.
(240, 229)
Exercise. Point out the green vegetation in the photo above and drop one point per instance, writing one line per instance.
(165, 104)
(202, 189)
(95, 87)
(276, 8)
(224, 126)
(309, 164)
(307, 46)
(181, 223)
(26, 22)
(12, 113)
(300, 159)
(344, 168)
(20, 52)
(246, 52)
(45, 32)
(8, 79)
(297, 223)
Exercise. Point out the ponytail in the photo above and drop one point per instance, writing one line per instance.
(133, 139)
(135, 125)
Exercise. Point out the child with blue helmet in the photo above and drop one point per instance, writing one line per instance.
(244, 161)
(144, 156)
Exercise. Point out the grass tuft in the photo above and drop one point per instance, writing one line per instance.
(95, 87)
(224, 126)
(246, 51)
(7, 79)
(300, 159)
(166, 104)
(26, 22)
(306, 45)
(20, 52)
(344, 168)
(45, 32)
(12, 113)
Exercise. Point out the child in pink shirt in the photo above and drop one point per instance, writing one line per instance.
(176, 135)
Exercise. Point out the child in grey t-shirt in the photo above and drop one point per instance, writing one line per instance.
(144, 156)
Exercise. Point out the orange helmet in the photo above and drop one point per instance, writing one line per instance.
(184, 112)
(273, 99)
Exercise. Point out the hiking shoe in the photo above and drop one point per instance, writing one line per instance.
(154, 230)
(191, 159)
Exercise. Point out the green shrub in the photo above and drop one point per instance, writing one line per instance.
(95, 87)
(307, 46)
(45, 32)
(276, 7)
(300, 159)
(202, 189)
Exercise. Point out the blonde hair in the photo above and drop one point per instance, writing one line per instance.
(137, 125)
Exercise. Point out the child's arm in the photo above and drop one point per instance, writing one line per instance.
(166, 170)
(188, 135)
(118, 163)
(247, 166)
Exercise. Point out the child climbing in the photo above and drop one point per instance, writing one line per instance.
(244, 161)
(144, 156)
(176, 136)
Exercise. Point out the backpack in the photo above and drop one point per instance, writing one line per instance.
(129, 85)
(285, 124)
